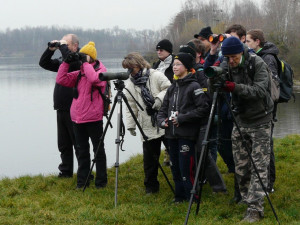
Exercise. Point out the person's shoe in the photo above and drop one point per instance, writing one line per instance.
(166, 159)
(177, 201)
(100, 186)
(152, 190)
(252, 216)
(64, 175)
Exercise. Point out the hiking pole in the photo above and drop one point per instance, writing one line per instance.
(251, 159)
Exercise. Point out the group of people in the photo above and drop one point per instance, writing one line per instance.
(176, 97)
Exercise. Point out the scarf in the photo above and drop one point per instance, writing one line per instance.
(141, 81)
(163, 65)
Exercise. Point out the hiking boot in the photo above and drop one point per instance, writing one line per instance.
(252, 216)
(100, 186)
(152, 190)
(64, 175)
(166, 159)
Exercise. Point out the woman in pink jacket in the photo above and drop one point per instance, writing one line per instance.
(86, 110)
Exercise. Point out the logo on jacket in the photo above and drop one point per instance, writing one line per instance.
(198, 91)
(185, 148)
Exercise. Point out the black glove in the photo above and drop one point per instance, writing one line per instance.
(82, 57)
(71, 57)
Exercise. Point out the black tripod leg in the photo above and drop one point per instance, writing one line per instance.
(167, 179)
(100, 143)
(251, 159)
(204, 149)
(134, 117)
(145, 138)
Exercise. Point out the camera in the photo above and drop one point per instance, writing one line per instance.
(214, 38)
(217, 75)
(214, 71)
(114, 76)
(53, 44)
(173, 115)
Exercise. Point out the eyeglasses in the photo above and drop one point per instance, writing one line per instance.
(178, 64)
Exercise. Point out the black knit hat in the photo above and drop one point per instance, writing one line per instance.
(188, 48)
(166, 45)
(204, 32)
(186, 59)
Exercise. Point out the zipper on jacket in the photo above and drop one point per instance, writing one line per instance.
(175, 105)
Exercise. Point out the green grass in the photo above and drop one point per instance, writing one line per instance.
(50, 200)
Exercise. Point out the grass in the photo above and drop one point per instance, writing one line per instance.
(50, 200)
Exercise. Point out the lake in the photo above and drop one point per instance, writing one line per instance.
(28, 121)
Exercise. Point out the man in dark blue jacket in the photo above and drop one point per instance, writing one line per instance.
(63, 97)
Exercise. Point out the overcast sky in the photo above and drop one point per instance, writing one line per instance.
(95, 14)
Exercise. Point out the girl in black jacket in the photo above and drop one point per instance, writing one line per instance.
(185, 108)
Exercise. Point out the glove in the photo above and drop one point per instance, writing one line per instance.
(157, 104)
(229, 86)
(132, 131)
(82, 57)
(71, 57)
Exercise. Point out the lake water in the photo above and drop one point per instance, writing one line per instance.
(28, 121)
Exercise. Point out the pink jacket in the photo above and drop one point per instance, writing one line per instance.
(83, 109)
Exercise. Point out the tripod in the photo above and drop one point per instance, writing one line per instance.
(119, 86)
(200, 167)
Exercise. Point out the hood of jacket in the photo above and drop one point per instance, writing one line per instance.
(269, 48)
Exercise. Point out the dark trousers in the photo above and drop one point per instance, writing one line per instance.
(65, 142)
(213, 145)
(83, 132)
(151, 153)
(182, 156)
(225, 149)
(211, 170)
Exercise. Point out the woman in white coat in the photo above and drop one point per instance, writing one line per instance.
(148, 87)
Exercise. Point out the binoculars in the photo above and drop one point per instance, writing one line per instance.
(214, 38)
(54, 44)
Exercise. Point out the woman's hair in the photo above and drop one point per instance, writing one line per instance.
(135, 59)
(257, 34)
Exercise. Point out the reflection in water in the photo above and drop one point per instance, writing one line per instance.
(288, 115)
(28, 121)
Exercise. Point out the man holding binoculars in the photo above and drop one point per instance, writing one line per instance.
(63, 97)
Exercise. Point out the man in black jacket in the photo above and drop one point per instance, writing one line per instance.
(164, 50)
(63, 97)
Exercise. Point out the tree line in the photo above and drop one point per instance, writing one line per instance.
(278, 19)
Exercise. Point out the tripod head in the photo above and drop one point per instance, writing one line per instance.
(119, 85)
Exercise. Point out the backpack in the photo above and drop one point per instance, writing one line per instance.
(106, 95)
(286, 75)
(274, 89)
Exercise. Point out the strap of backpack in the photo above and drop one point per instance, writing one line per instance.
(251, 67)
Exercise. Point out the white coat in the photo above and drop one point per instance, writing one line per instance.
(157, 84)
